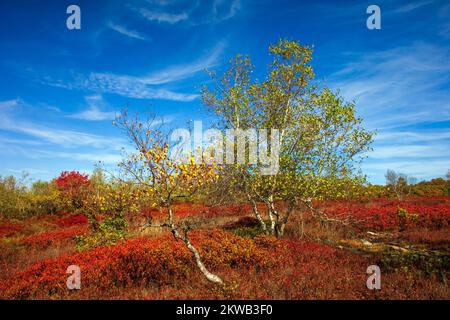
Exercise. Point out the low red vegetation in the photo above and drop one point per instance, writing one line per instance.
(7, 228)
(184, 210)
(433, 238)
(382, 214)
(259, 268)
(378, 214)
(70, 221)
(47, 238)
(142, 261)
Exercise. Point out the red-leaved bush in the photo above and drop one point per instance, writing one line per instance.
(73, 189)
(259, 268)
(70, 221)
(71, 180)
(44, 239)
(7, 228)
(143, 261)
(383, 214)
(184, 210)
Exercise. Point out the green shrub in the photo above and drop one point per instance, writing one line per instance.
(13, 197)
(44, 198)
(110, 231)
(18, 201)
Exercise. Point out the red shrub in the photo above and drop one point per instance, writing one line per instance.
(45, 239)
(141, 261)
(382, 214)
(73, 189)
(7, 228)
(72, 180)
(70, 221)
(260, 268)
(184, 210)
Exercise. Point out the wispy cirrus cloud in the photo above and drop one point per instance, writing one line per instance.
(180, 72)
(193, 13)
(402, 92)
(11, 141)
(381, 84)
(46, 135)
(93, 112)
(31, 140)
(224, 10)
(413, 6)
(415, 151)
(141, 87)
(61, 137)
(413, 136)
(32, 171)
(170, 18)
(123, 85)
(126, 32)
(104, 156)
(9, 103)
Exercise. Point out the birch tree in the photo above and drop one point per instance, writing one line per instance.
(321, 137)
(164, 179)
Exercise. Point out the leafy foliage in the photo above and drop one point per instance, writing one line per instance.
(321, 136)
(73, 188)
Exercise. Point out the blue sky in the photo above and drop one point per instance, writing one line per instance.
(60, 88)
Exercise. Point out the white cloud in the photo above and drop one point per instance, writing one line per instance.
(128, 86)
(9, 103)
(53, 108)
(194, 13)
(398, 87)
(6, 142)
(54, 143)
(412, 137)
(126, 32)
(179, 72)
(224, 10)
(163, 16)
(32, 171)
(93, 113)
(65, 138)
(402, 93)
(145, 86)
(410, 151)
(413, 6)
(107, 158)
